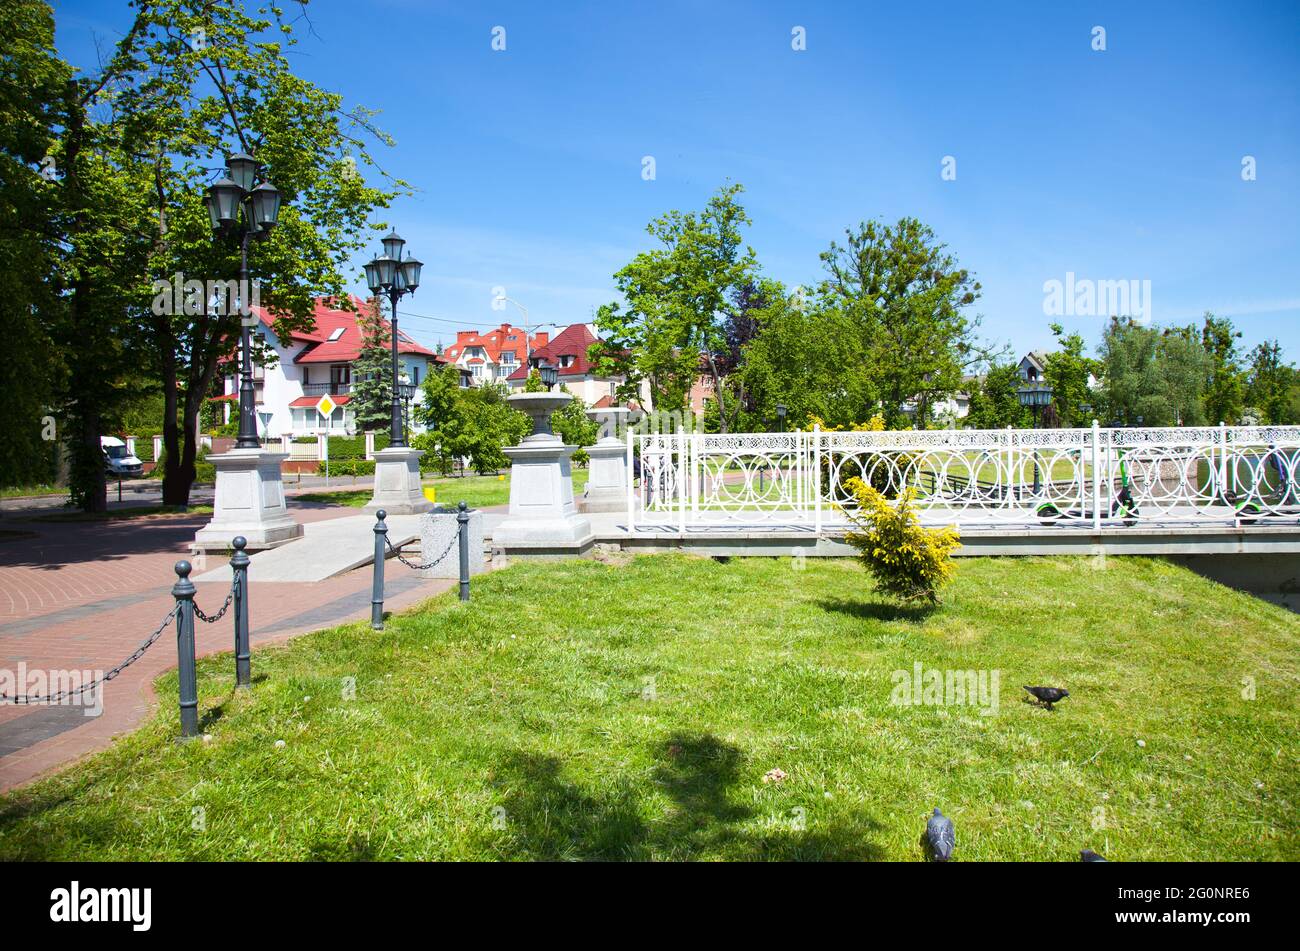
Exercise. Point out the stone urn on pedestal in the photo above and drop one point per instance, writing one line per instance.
(543, 514)
(607, 482)
(249, 502)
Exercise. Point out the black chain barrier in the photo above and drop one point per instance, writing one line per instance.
(22, 699)
(428, 564)
(383, 547)
(214, 618)
(183, 613)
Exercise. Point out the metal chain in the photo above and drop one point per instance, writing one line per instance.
(212, 619)
(109, 675)
(454, 538)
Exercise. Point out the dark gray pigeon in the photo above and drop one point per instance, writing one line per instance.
(1049, 695)
(941, 836)
(1088, 855)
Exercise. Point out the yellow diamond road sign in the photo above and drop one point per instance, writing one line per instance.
(325, 406)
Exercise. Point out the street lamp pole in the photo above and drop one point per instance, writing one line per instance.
(233, 202)
(396, 277)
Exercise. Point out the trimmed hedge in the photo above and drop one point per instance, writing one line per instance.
(347, 467)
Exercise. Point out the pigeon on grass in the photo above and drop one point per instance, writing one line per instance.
(940, 836)
(1049, 695)
(1088, 855)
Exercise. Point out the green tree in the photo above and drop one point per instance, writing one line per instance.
(805, 356)
(1067, 373)
(372, 371)
(188, 82)
(905, 296)
(32, 82)
(680, 298)
(1225, 391)
(995, 399)
(1269, 381)
(490, 424)
(442, 413)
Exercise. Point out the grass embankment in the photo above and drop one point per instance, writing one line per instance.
(582, 710)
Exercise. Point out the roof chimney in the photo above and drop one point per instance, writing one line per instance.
(541, 339)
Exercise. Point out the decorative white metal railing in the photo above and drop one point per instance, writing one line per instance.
(1059, 478)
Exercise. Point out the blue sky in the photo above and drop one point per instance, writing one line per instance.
(1122, 164)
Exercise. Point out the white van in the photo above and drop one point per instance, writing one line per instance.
(118, 463)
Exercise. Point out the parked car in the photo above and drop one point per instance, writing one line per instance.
(119, 463)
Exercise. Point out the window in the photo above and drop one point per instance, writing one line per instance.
(566, 360)
(339, 376)
(507, 356)
(415, 375)
(336, 333)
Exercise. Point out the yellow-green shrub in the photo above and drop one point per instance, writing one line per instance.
(907, 560)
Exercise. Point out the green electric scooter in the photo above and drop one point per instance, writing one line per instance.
(1122, 506)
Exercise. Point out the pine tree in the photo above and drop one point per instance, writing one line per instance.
(372, 389)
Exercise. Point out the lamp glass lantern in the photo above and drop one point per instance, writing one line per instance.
(411, 273)
(372, 277)
(549, 376)
(393, 244)
(211, 206)
(225, 196)
(384, 268)
(265, 205)
(243, 169)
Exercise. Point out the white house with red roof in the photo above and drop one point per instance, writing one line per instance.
(313, 363)
(493, 355)
(567, 353)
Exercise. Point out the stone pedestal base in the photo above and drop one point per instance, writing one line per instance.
(607, 484)
(249, 502)
(543, 514)
(440, 538)
(397, 483)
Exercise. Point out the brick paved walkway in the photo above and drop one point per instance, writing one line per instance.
(83, 595)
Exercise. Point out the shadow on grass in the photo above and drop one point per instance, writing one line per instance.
(551, 818)
(879, 610)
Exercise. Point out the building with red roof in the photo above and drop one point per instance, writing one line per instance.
(313, 363)
(494, 354)
(567, 353)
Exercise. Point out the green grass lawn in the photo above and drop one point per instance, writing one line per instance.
(478, 491)
(24, 491)
(579, 710)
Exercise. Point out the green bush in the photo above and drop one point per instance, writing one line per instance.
(347, 467)
(907, 560)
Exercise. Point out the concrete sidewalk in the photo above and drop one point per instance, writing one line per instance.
(325, 550)
(82, 596)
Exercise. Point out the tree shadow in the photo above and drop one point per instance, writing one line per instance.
(879, 610)
(551, 818)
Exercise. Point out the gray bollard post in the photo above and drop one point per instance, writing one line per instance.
(239, 567)
(377, 589)
(183, 592)
(462, 526)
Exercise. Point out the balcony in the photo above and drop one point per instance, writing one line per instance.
(405, 390)
(320, 389)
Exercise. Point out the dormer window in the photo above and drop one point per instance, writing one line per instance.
(566, 360)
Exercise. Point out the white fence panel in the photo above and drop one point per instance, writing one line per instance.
(1054, 478)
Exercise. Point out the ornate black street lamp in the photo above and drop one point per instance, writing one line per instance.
(235, 205)
(550, 376)
(390, 274)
